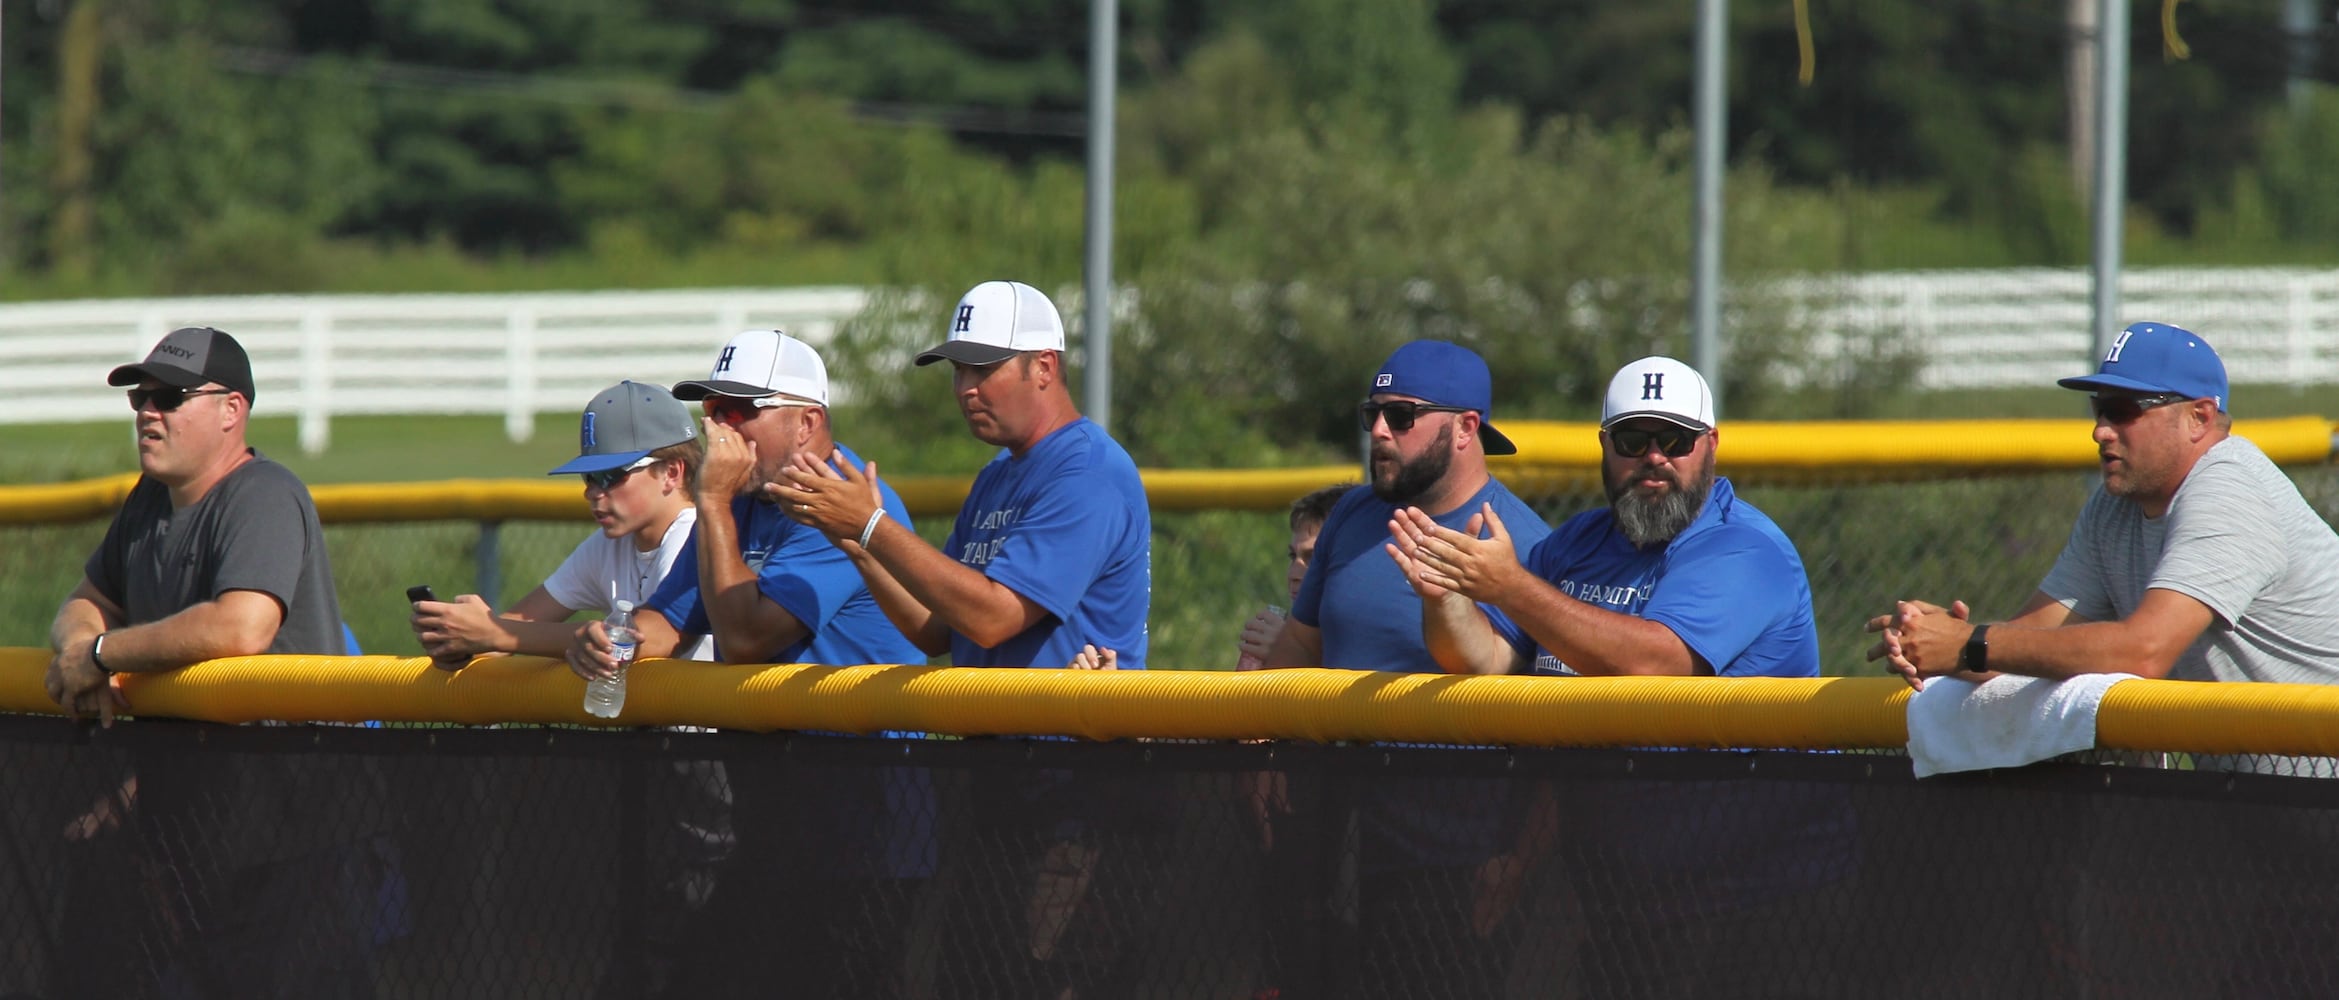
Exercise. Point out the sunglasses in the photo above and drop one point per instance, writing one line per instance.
(741, 409)
(1400, 414)
(169, 397)
(1630, 442)
(2120, 411)
(610, 479)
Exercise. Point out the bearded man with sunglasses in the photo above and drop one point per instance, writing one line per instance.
(1678, 576)
(2195, 558)
(1424, 848)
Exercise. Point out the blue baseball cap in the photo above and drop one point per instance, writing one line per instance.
(2157, 358)
(1447, 375)
(624, 424)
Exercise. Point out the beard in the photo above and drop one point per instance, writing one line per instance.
(1413, 480)
(1648, 521)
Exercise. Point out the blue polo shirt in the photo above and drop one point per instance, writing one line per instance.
(806, 575)
(1067, 526)
(1730, 585)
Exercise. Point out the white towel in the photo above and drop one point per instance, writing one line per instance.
(2007, 721)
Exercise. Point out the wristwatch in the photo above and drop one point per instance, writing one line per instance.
(1976, 654)
(97, 649)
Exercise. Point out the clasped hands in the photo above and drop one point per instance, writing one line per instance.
(1921, 640)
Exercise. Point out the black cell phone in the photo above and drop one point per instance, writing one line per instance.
(420, 593)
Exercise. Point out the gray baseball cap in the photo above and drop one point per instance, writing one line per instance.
(625, 422)
(190, 356)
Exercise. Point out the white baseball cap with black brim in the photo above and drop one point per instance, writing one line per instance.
(760, 363)
(997, 320)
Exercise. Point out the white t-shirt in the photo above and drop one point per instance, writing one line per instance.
(582, 581)
(2237, 537)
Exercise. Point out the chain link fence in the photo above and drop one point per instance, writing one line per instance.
(188, 859)
(1865, 541)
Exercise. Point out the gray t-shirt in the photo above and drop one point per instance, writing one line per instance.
(256, 530)
(2239, 538)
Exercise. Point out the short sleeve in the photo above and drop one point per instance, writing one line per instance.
(808, 577)
(2079, 580)
(579, 583)
(263, 539)
(2225, 544)
(1722, 590)
(677, 598)
(1060, 544)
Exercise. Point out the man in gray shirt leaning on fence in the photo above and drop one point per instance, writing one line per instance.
(218, 552)
(2196, 558)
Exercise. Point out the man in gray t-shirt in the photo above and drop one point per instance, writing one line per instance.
(216, 552)
(2195, 559)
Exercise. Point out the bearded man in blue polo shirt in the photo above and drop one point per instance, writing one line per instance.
(1688, 888)
(1678, 576)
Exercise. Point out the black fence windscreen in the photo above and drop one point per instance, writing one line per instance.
(165, 859)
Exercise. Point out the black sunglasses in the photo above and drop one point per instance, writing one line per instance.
(1400, 414)
(1629, 442)
(169, 397)
(2120, 411)
(610, 479)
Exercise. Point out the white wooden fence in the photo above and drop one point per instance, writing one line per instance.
(324, 356)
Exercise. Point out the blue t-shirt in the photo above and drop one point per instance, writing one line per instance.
(1371, 620)
(1067, 526)
(1354, 593)
(807, 576)
(1730, 585)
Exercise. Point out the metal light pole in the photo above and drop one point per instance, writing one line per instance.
(1097, 276)
(1712, 118)
(2110, 189)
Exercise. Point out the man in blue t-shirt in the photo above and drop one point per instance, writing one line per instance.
(1423, 842)
(1051, 554)
(1676, 577)
(1052, 550)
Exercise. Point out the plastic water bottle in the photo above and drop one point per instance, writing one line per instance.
(1249, 661)
(605, 696)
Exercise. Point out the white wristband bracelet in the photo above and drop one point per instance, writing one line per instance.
(871, 528)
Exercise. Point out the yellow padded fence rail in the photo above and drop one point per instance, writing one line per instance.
(1553, 457)
(1315, 705)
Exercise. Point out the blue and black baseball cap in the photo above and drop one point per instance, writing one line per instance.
(2155, 358)
(624, 424)
(1434, 371)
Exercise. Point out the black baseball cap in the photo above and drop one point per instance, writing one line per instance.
(189, 357)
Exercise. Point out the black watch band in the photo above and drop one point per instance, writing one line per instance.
(96, 650)
(1976, 654)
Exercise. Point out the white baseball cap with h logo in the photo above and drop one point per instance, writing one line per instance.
(761, 363)
(997, 320)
